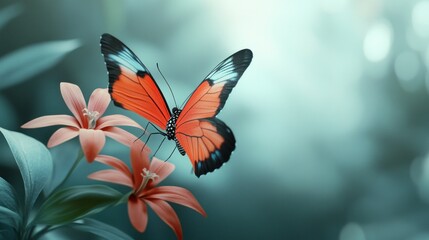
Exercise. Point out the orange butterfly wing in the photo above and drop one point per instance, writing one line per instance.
(131, 86)
(208, 141)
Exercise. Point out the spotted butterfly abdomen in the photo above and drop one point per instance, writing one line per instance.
(171, 124)
(171, 129)
(179, 147)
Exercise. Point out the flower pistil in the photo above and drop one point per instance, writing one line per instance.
(91, 116)
(147, 175)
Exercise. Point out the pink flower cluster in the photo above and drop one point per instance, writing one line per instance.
(144, 176)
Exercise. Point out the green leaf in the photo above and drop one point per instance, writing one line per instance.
(9, 217)
(8, 13)
(8, 211)
(34, 162)
(28, 61)
(100, 229)
(7, 195)
(76, 202)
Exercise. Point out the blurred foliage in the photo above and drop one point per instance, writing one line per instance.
(8, 13)
(27, 62)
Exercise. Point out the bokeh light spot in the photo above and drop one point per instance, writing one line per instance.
(352, 231)
(420, 18)
(378, 40)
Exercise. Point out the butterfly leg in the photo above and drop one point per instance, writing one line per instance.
(171, 154)
(163, 139)
(150, 135)
(157, 129)
(144, 131)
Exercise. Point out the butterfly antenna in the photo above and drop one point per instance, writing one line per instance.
(171, 91)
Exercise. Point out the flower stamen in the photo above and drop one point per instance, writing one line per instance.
(147, 175)
(92, 117)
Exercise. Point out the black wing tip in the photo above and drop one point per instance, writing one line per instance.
(108, 37)
(200, 172)
(110, 44)
(245, 54)
(206, 168)
(219, 156)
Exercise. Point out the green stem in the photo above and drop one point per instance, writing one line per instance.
(49, 228)
(75, 164)
(28, 233)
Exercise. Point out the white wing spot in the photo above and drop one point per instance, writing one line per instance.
(125, 60)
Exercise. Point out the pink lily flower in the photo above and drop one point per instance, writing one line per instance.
(143, 179)
(86, 121)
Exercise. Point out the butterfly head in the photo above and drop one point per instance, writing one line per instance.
(176, 111)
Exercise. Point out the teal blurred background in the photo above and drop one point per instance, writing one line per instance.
(331, 118)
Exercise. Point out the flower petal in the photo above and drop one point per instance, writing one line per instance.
(113, 176)
(99, 100)
(177, 195)
(120, 135)
(92, 141)
(52, 120)
(161, 168)
(167, 214)
(116, 120)
(139, 160)
(62, 135)
(115, 163)
(74, 100)
(137, 212)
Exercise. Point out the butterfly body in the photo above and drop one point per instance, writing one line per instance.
(197, 131)
(171, 124)
(171, 129)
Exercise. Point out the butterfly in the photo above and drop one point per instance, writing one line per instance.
(197, 131)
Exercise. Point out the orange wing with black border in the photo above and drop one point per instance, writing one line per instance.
(131, 86)
(208, 141)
